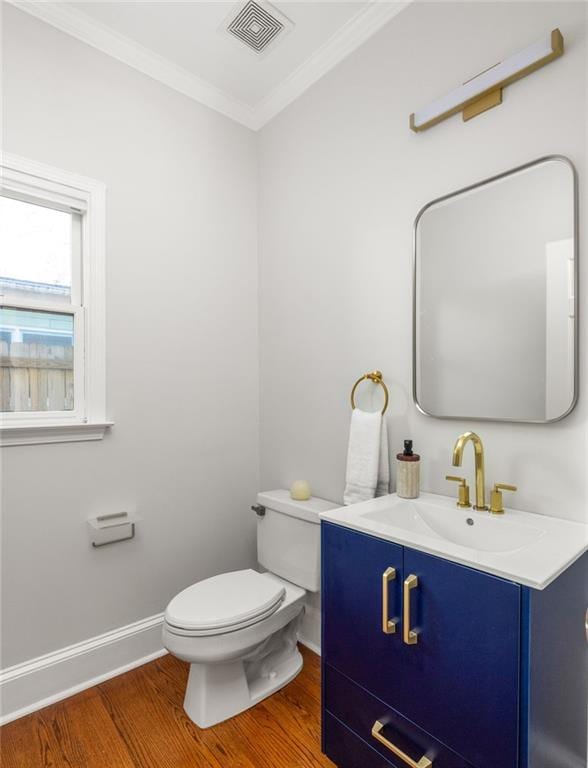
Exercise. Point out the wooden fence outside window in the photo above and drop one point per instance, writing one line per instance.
(36, 377)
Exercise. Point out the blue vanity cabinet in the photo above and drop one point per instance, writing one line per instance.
(456, 688)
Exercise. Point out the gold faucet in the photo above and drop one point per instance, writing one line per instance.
(479, 459)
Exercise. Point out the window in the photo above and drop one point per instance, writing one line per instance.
(52, 305)
(39, 247)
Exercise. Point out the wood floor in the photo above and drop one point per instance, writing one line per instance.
(137, 721)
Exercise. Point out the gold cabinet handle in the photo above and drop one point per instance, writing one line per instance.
(388, 625)
(410, 636)
(424, 762)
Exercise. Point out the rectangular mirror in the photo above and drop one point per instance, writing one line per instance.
(495, 298)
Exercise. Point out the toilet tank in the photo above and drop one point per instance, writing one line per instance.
(289, 537)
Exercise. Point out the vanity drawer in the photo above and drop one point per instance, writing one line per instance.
(359, 711)
(347, 750)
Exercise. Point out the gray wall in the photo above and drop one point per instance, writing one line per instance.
(342, 178)
(182, 349)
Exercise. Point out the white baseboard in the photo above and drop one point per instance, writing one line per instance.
(310, 645)
(34, 684)
(37, 683)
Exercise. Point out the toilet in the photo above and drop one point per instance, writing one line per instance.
(239, 630)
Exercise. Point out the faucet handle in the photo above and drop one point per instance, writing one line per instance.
(464, 491)
(496, 503)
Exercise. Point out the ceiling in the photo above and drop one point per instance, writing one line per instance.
(186, 45)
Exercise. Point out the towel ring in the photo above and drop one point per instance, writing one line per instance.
(377, 378)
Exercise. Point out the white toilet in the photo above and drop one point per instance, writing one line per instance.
(239, 630)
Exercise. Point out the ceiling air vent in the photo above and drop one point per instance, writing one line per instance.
(258, 25)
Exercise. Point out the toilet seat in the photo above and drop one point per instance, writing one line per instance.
(224, 603)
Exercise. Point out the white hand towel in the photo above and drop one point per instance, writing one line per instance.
(367, 457)
(383, 486)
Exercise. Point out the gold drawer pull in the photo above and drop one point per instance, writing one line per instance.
(424, 762)
(410, 636)
(388, 625)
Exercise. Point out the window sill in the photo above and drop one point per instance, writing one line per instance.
(38, 434)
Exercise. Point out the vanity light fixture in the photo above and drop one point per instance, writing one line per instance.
(484, 91)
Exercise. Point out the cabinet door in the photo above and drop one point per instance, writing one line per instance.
(465, 664)
(352, 596)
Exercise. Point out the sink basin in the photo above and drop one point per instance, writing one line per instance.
(523, 547)
(466, 527)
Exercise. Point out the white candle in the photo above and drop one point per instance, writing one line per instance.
(300, 490)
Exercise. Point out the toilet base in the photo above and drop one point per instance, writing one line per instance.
(217, 692)
(221, 691)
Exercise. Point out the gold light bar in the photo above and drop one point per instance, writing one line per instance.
(485, 90)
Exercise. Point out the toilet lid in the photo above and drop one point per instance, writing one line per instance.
(225, 601)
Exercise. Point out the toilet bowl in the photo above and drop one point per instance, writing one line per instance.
(239, 630)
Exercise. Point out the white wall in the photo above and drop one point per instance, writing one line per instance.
(182, 373)
(342, 178)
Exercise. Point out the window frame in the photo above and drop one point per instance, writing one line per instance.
(41, 184)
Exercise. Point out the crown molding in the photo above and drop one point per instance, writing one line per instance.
(366, 22)
(79, 25)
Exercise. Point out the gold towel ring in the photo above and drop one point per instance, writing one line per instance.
(377, 378)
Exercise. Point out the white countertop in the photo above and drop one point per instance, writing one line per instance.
(527, 548)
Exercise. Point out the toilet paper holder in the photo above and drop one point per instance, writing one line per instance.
(108, 522)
